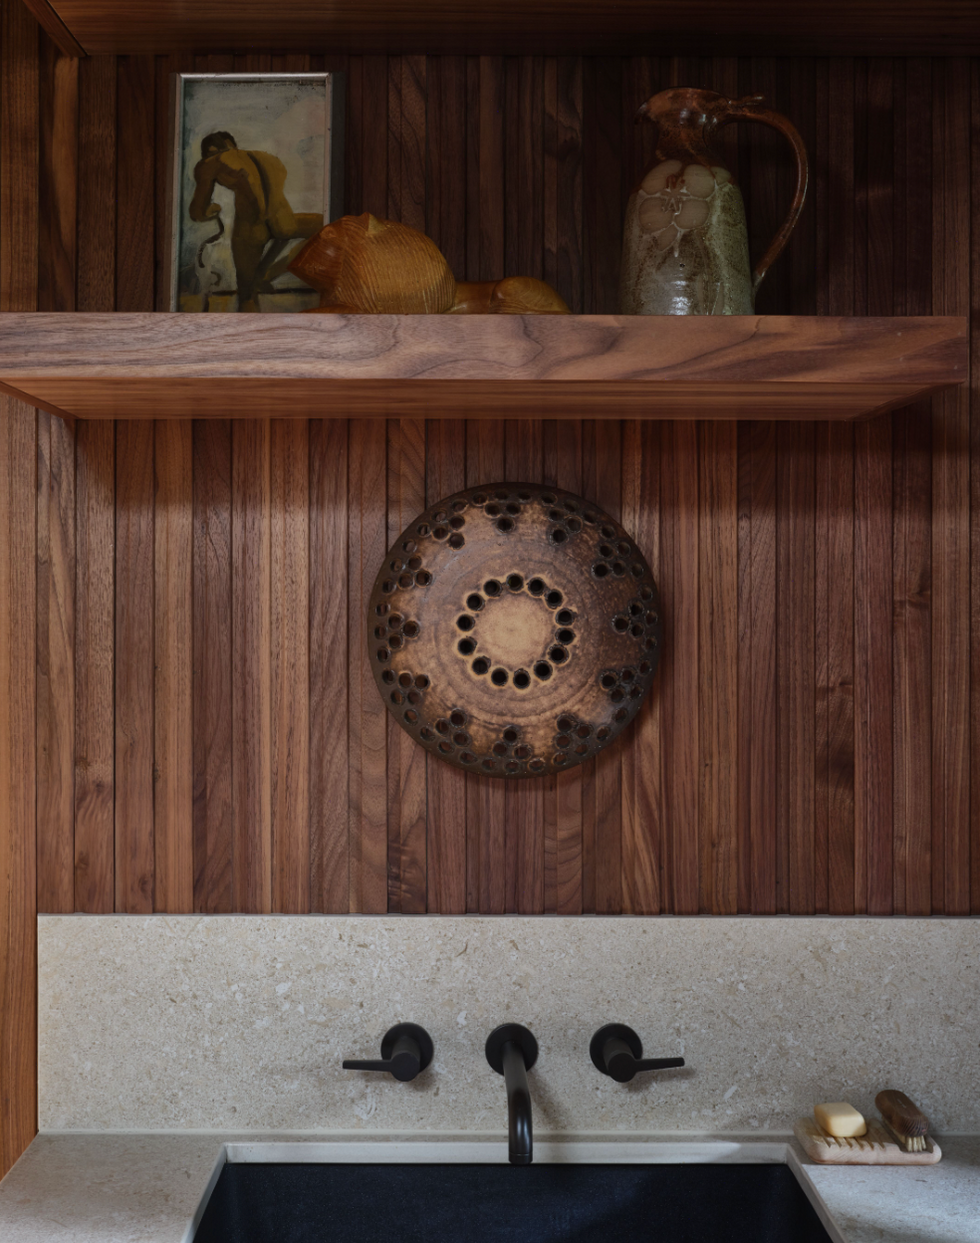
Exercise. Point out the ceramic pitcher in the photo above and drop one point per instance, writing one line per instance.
(686, 247)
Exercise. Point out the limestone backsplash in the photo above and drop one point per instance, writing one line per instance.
(238, 1022)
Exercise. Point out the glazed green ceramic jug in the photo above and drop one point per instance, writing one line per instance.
(686, 247)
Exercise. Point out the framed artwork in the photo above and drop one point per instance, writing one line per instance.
(257, 163)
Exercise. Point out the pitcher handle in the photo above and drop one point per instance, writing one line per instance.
(748, 109)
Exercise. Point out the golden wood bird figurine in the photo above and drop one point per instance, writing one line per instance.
(361, 265)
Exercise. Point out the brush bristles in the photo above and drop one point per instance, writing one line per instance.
(914, 1143)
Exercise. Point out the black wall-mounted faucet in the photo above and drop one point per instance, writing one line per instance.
(617, 1051)
(512, 1051)
(406, 1050)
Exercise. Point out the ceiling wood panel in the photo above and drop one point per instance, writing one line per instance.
(705, 27)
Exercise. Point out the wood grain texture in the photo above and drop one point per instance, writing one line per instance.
(18, 863)
(55, 665)
(330, 643)
(757, 666)
(212, 666)
(135, 184)
(485, 797)
(407, 863)
(58, 190)
(173, 663)
(679, 664)
(602, 476)
(446, 786)
(709, 27)
(49, 21)
(951, 509)
(19, 155)
(133, 667)
(836, 557)
(524, 800)
(96, 197)
(643, 788)
(290, 655)
(367, 717)
(795, 706)
(251, 636)
(501, 365)
(94, 638)
(974, 514)
(718, 666)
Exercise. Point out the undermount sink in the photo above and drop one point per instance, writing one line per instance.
(671, 1192)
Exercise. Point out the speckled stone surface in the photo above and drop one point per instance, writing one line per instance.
(145, 1189)
(242, 1022)
(899, 1204)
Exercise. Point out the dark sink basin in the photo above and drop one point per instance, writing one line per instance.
(545, 1203)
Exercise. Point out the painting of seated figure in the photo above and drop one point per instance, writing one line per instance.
(256, 170)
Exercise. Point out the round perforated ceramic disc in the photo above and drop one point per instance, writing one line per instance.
(514, 629)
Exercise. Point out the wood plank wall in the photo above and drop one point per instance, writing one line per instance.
(188, 721)
(210, 737)
(19, 624)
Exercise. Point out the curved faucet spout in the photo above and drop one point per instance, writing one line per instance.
(512, 1051)
(521, 1144)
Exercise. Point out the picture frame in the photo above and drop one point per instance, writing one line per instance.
(256, 169)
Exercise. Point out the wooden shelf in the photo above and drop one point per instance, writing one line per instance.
(478, 366)
(701, 28)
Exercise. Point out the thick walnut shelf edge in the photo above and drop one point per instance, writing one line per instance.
(590, 366)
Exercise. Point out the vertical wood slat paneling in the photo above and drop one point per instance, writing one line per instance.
(94, 638)
(57, 249)
(974, 503)
(173, 752)
(524, 800)
(18, 813)
(212, 666)
(951, 505)
(367, 717)
(55, 665)
(446, 786)
(19, 130)
(485, 796)
(515, 165)
(94, 775)
(251, 636)
(406, 760)
(568, 862)
(795, 651)
(679, 664)
(135, 194)
(642, 840)
(757, 665)
(330, 643)
(133, 666)
(873, 612)
(912, 502)
(717, 666)
(290, 657)
(58, 188)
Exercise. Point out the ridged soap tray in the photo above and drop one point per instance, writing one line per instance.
(877, 1147)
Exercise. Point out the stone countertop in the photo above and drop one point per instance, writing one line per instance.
(144, 1188)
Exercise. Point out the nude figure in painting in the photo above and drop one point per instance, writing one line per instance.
(262, 212)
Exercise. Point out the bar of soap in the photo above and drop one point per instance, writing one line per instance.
(839, 1119)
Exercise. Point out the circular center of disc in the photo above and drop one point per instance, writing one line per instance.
(516, 629)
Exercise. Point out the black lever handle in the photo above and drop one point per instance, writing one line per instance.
(616, 1051)
(406, 1050)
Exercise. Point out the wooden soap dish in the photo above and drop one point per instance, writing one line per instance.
(877, 1147)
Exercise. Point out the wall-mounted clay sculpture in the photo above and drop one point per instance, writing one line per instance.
(361, 265)
(514, 629)
(685, 245)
